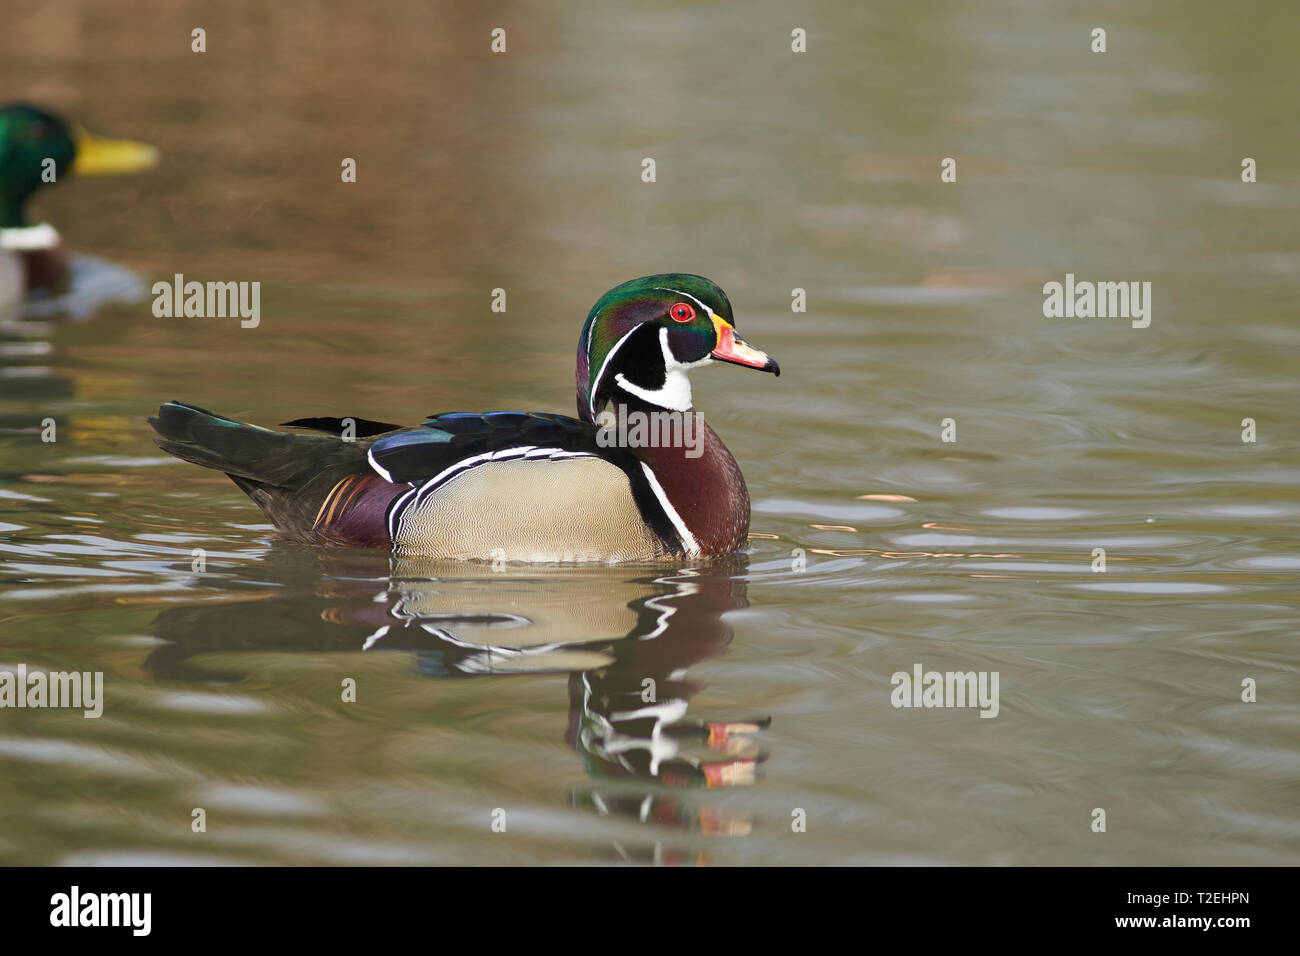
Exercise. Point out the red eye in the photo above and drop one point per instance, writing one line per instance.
(682, 312)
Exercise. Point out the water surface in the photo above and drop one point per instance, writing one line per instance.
(876, 545)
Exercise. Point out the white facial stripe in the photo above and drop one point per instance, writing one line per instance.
(594, 385)
(660, 288)
(669, 358)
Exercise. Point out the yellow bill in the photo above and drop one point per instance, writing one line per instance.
(97, 156)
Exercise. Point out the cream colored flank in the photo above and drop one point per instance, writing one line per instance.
(575, 509)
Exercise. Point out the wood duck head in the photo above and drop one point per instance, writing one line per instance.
(642, 339)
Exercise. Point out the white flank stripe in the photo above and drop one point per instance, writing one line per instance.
(688, 540)
(396, 509)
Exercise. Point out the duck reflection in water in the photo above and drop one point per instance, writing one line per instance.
(625, 636)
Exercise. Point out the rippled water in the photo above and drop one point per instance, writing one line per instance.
(875, 546)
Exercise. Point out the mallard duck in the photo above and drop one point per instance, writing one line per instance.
(37, 149)
(520, 486)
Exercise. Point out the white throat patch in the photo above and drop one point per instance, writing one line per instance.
(29, 238)
(675, 393)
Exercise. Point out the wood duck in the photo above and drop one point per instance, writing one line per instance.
(637, 476)
(37, 149)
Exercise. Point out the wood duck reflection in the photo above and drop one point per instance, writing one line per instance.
(626, 638)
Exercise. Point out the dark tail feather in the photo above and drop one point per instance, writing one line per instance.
(264, 463)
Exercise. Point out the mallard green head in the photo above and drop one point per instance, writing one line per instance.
(642, 338)
(38, 148)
